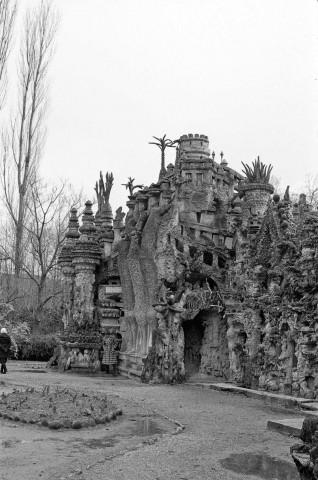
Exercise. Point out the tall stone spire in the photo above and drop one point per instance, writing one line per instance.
(71, 236)
(86, 253)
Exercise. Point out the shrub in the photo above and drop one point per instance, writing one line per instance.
(26, 344)
(19, 333)
(38, 347)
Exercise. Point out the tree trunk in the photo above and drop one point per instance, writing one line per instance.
(18, 241)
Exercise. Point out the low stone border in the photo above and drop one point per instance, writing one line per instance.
(180, 427)
(269, 397)
(56, 424)
(67, 422)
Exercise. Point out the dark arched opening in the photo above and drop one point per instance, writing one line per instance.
(193, 337)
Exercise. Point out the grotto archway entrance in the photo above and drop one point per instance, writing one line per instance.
(193, 339)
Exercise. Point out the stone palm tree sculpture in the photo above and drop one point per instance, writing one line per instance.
(130, 185)
(258, 173)
(163, 143)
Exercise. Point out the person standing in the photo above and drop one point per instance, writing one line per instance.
(5, 344)
(109, 352)
(117, 347)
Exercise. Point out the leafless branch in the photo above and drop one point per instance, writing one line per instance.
(8, 10)
(23, 142)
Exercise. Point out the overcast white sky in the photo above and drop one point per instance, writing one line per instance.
(243, 72)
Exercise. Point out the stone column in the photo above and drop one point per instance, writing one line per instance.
(118, 225)
(154, 194)
(130, 221)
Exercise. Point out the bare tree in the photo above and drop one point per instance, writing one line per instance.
(8, 10)
(276, 182)
(311, 190)
(44, 233)
(49, 209)
(24, 140)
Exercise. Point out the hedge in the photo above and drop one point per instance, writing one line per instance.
(38, 347)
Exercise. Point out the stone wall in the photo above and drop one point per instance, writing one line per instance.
(272, 326)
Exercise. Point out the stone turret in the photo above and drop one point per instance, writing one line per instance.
(194, 160)
(65, 262)
(86, 253)
(195, 146)
(71, 236)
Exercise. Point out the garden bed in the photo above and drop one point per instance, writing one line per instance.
(57, 408)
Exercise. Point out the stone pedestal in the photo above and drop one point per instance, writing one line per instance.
(131, 364)
(257, 196)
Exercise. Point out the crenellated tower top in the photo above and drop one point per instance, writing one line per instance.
(194, 145)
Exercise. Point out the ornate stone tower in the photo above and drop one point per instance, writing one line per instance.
(81, 341)
(68, 269)
(196, 146)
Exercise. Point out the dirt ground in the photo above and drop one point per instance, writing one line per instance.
(225, 435)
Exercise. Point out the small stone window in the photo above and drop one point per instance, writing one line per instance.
(208, 258)
(198, 217)
(181, 230)
(199, 178)
(189, 176)
(192, 232)
(192, 251)
(221, 262)
(179, 246)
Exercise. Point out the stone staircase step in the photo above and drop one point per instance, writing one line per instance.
(309, 406)
(131, 372)
(289, 426)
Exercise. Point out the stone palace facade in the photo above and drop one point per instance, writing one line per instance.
(208, 274)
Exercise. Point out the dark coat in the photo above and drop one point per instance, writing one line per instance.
(5, 343)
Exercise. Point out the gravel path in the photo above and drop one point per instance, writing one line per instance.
(225, 435)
